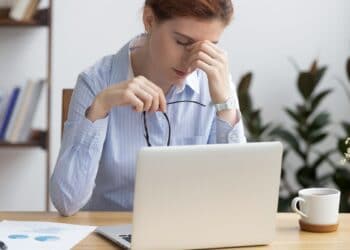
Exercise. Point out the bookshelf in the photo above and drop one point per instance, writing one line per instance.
(38, 138)
(41, 18)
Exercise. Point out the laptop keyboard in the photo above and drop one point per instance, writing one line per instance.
(126, 237)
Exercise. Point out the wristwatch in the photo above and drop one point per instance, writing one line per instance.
(229, 104)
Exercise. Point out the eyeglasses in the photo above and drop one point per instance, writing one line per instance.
(146, 134)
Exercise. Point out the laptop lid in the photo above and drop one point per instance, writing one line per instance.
(206, 196)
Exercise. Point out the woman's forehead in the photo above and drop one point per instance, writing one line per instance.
(195, 29)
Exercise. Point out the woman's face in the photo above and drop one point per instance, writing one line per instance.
(169, 45)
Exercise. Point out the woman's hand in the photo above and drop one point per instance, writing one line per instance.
(213, 61)
(140, 93)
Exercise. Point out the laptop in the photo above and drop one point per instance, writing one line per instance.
(203, 196)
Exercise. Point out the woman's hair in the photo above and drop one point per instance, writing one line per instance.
(200, 9)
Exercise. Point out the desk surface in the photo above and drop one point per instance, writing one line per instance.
(288, 235)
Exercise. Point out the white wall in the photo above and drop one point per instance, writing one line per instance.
(262, 37)
(266, 34)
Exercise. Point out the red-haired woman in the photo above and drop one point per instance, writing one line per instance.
(168, 86)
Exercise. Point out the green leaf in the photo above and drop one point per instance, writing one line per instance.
(243, 93)
(321, 158)
(325, 180)
(253, 125)
(348, 69)
(304, 112)
(265, 128)
(346, 127)
(255, 114)
(318, 98)
(341, 177)
(307, 176)
(306, 84)
(245, 103)
(341, 146)
(319, 74)
(244, 83)
(344, 206)
(313, 68)
(284, 154)
(302, 132)
(256, 120)
(293, 115)
(289, 138)
(284, 203)
(320, 121)
(316, 138)
(272, 133)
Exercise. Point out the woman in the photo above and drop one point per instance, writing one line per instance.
(169, 86)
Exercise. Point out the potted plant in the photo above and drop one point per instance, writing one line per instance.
(309, 128)
(341, 175)
(257, 131)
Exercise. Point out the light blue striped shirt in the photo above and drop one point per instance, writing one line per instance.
(95, 169)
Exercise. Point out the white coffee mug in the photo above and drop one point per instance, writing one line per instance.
(318, 206)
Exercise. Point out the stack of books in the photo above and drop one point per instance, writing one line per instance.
(23, 10)
(17, 112)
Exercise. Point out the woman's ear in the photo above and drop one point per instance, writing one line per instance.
(148, 19)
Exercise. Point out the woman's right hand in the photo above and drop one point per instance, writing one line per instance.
(140, 93)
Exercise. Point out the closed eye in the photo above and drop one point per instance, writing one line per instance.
(182, 43)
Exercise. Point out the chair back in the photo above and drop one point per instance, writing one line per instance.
(66, 96)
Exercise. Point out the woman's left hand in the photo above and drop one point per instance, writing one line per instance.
(213, 61)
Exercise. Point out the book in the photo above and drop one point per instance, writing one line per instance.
(9, 110)
(26, 117)
(32, 8)
(3, 105)
(20, 106)
(23, 10)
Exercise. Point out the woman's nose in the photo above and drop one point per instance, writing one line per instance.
(185, 60)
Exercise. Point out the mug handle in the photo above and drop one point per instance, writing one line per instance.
(295, 208)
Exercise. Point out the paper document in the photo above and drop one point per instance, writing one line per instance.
(41, 235)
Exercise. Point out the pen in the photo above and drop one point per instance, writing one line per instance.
(2, 245)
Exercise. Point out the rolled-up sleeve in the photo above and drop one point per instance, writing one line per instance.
(76, 168)
(224, 132)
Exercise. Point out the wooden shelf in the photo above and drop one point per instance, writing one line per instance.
(41, 18)
(38, 139)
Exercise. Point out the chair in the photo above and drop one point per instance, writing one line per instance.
(66, 96)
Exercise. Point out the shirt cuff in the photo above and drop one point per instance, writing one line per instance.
(226, 133)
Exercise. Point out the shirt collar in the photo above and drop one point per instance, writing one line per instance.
(191, 81)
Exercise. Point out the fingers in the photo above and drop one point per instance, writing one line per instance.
(206, 63)
(209, 49)
(159, 94)
(134, 101)
(201, 56)
(144, 96)
(215, 48)
(203, 66)
(208, 57)
(151, 96)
